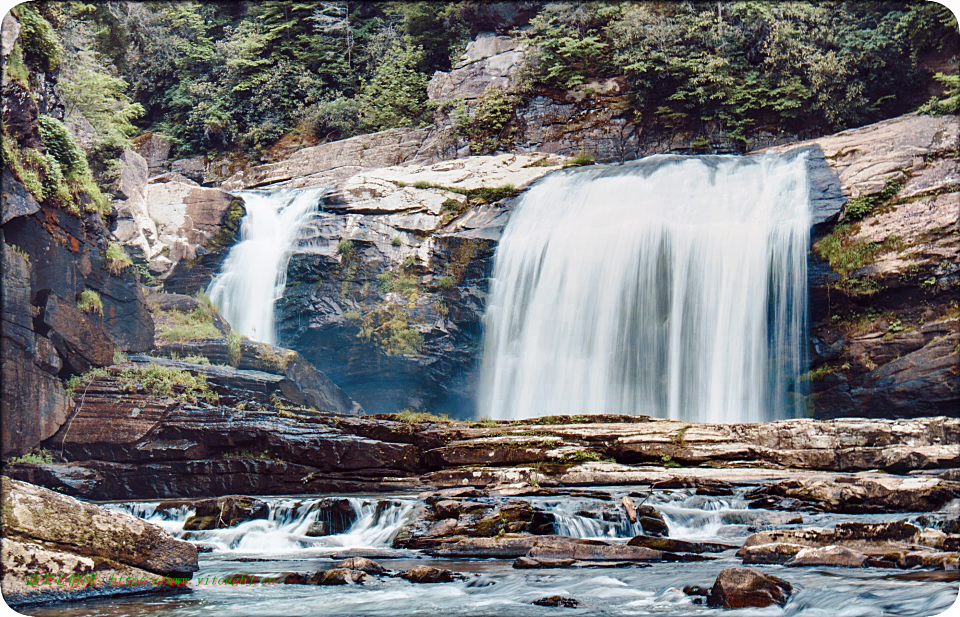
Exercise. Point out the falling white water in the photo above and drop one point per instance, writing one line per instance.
(375, 523)
(670, 286)
(255, 272)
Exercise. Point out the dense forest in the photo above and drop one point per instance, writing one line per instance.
(239, 76)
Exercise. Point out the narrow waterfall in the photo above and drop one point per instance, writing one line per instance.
(254, 274)
(671, 286)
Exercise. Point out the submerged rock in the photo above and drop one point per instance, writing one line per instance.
(856, 495)
(773, 552)
(429, 574)
(743, 587)
(563, 601)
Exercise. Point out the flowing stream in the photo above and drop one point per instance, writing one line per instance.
(492, 587)
(255, 272)
(670, 286)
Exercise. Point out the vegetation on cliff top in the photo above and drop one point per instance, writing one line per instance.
(217, 75)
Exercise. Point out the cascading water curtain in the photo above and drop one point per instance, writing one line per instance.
(254, 274)
(671, 286)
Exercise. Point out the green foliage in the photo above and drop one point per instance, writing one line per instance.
(40, 46)
(72, 385)
(234, 342)
(396, 94)
(396, 241)
(72, 163)
(13, 160)
(580, 160)
(102, 100)
(844, 253)
(488, 124)
(190, 326)
(864, 205)
(90, 302)
(338, 118)
(444, 282)
(19, 251)
(41, 457)
(346, 248)
(15, 68)
(950, 104)
(197, 359)
(117, 258)
(412, 416)
(391, 328)
(584, 456)
(167, 381)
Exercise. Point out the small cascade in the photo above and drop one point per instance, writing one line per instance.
(363, 523)
(669, 286)
(580, 518)
(254, 274)
(700, 517)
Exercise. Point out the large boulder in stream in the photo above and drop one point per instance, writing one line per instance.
(46, 534)
(743, 588)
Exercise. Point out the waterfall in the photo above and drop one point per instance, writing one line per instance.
(670, 286)
(254, 274)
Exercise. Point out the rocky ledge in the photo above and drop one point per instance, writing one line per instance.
(56, 548)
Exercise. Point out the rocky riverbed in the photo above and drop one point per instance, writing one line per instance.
(529, 549)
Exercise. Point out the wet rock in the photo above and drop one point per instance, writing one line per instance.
(361, 563)
(860, 495)
(696, 590)
(368, 553)
(429, 574)
(336, 514)
(743, 588)
(835, 556)
(773, 552)
(16, 199)
(36, 516)
(593, 551)
(504, 547)
(679, 546)
(451, 518)
(530, 563)
(630, 508)
(561, 601)
(318, 529)
(155, 149)
(225, 512)
(337, 576)
(652, 521)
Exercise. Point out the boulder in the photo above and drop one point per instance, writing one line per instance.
(743, 588)
(429, 574)
(361, 563)
(337, 576)
(835, 556)
(46, 533)
(225, 512)
(530, 563)
(15, 199)
(593, 551)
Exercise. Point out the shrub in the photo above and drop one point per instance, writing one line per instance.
(167, 381)
(39, 41)
(117, 258)
(90, 302)
(72, 163)
(863, 206)
(396, 241)
(488, 125)
(396, 94)
(580, 160)
(332, 120)
(843, 252)
(41, 457)
(189, 326)
(346, 248)
(234, 342)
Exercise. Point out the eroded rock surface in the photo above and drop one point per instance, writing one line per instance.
(743, 588)
(49, 533)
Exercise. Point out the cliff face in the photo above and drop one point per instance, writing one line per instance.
(53, 254)
(884, 280)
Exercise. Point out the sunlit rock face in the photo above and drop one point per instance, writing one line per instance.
(673, 286)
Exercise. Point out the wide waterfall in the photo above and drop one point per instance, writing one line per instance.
(671, 286)
(254, 275)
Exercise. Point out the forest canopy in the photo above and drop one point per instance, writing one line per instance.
(216, 76)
